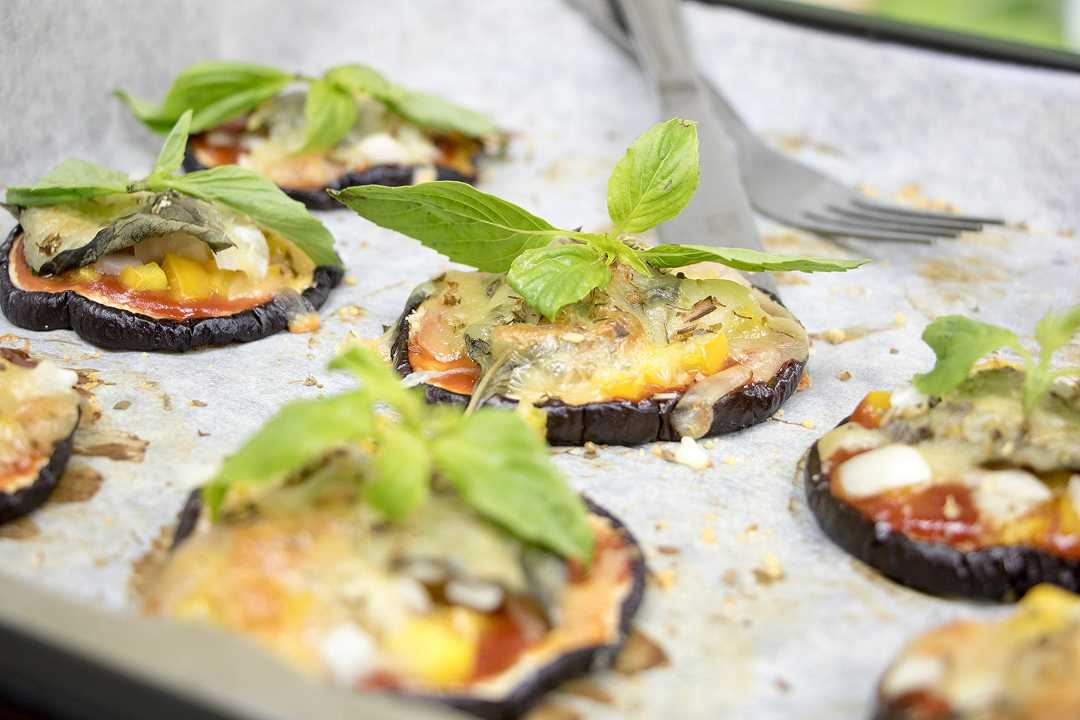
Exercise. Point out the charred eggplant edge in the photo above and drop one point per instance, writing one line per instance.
(26, 500)
(523, 696)
(388, 175)
(116, 329)
(1000, 573)
(622, 422)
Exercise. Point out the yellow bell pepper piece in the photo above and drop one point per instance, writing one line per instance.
(144, 277)
(433, 650)
(187, 278)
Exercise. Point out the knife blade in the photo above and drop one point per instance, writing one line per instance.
(719, 213)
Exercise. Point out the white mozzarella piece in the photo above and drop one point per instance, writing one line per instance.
(850, 437)
(912, 672)
(1074, 492)
(1004, 495)
(348, 653)
(250, 254)
(382, 149)
(155, 248)
(113, 263)
(886, 468)
(907, 401)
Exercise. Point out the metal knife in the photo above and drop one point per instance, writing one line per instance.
(720, 212)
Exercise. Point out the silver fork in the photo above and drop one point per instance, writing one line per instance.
(789, 191)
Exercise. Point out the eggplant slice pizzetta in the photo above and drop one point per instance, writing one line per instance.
(967, 482)
(39, 412)
(165, 263)
(617, 342)
(423, 552)
(350, 126)
(1022, 667)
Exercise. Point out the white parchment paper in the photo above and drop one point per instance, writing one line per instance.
(985, 137)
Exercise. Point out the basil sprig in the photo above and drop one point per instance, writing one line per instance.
(221, 91)
(652, 183)
(959, 342)
(241, 189)
(492, 458)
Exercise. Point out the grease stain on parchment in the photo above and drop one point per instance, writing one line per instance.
(22, 528)
(968, 269)
(640, 653)
(79, 483)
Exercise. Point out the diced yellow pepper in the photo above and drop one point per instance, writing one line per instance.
(220, 280)
(144, 277)
(187, 278)
(432, 650)
(716, 350)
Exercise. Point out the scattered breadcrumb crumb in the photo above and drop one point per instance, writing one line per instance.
(665, 579)
(779, 413)
(350, 280)
(198, 403)
(667, 550)
(900, 319)
(203, 433)
(590, 449)
(731, 577)
(122, 405)
(770, 570)
(310, 381)
(808, 424)
(894, 351)
(347, 313)
(691, 454)
(843, 375)
(729, 460)
(660, 525)
(708, 535)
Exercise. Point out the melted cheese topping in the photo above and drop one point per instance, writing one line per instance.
(283, 268)
(268, 141)
(639, 338)
(39, 408)
(328, 589)
(1019, 668)
(971, 470)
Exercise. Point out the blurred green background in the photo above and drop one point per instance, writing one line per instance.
(1047, 23)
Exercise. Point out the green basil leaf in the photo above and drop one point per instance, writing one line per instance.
(672, 256)
(172, 151)
(656, 177)
(435, 113)
(502, 469)
(70, 181)
(400, 472)
(420, 108)
(299, 433)
(254, 195)
(380, 381)
(362, 79)
(1054, 331)
(329, 113)
(959, 342)
(455, 219)
(551, 277)
(215, 91)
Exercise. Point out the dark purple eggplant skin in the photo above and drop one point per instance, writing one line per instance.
(621, 422)
(999, 573)
(115, 329)
(525, 695)
(27, 499)
(389, 175)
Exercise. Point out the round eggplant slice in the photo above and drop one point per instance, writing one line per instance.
(533, 684)
(1019, 667)
(621, 422)
(31, 495)
(997, 573)
(390, 175)
(117, 329)
(27, 499)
